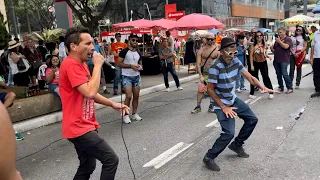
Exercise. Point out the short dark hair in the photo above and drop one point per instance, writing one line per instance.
(112, 40)
(73, 35)
(40, 42)
(117, 34)
(16, 39)
(61, 38)
(168, 33)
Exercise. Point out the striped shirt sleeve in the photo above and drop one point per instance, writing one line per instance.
(213, 73)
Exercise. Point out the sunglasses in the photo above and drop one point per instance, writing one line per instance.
(260, 35)
(134, 40)
(211, 39)
(231, 53)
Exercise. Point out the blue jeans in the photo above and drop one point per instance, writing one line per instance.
(170, 68)
(132, 81)
(117, 76)
(228, 128)
(240, 81)
(282, 71)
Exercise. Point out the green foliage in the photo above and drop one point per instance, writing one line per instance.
(4, 35)
(48, 35)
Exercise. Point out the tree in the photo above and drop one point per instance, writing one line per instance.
(4, 35)
(86, 13)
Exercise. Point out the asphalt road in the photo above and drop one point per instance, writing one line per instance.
(281, 147)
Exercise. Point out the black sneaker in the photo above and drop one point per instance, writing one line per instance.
(106, 91)
(316, 94)
(239, 150)
(210, 164)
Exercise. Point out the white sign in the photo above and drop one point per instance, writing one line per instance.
(271, 23)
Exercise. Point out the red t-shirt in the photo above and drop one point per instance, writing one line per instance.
(78, 113)
(117, 47)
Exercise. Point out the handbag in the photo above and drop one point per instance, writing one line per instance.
(36, 64)
(202, 67)
(20, 65)
(300, 59)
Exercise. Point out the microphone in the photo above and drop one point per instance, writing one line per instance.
(107, 63)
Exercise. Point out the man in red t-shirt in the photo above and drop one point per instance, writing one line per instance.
(79, 92)
(116, 48)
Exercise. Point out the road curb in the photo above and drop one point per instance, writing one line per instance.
(57, 116)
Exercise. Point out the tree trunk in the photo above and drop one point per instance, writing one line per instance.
(28, 19)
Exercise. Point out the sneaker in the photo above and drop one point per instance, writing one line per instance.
(271, 96)
(252, 97)
(210, 164)
(243, 89)
(210, 109)
(238, 90)
(239, 150)
(281, 89)
(197, 109)
(19, 137)
(180, 88)
(316, 94)
(166, 90)
(297, 87)
(136, 117)
(126, 119)
(115, 92)
(106, 91)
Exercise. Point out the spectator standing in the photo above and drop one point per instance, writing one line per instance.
(43, 50)
(298, 52)
(170, 39)
(241, 55)
(98, 49)
(20, 78)
(315, 62)
(116, 48)
(258, 63)
(281, 50)
(35, 59)
(62, 49)
(129, 59)
(167, 57)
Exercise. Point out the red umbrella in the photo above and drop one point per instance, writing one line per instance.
(197, 21)
(165, 23)
(141, 23)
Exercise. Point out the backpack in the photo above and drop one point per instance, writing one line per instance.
(4, 64)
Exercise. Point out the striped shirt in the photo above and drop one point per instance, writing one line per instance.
(224, 76)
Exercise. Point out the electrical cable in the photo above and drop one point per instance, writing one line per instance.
(124, 142)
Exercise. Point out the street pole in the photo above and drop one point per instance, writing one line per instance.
(127, 13)
(167, 1)
(13, 17)
(305, 8)
(287, 9)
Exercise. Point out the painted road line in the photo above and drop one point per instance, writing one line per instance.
(212, 123)
(254, 100)
(168, 155)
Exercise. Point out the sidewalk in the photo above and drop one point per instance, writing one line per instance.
(149, 84)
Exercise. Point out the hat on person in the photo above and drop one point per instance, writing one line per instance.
(226, 42)
(13, 44)
(133, 35)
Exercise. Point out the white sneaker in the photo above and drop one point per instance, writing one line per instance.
(180, 88)
(126, 119)
(252, 97)
(136, 117)
(238, 90)
(271, 96)
(166, 90)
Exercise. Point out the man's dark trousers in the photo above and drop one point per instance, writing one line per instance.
(316, 73)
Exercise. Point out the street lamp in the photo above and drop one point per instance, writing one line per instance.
(146, 4)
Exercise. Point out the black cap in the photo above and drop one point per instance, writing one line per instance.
(226, 42)
(133, 35)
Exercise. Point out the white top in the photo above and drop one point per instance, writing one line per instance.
(132, 57)
(62, 51)
(297, 43)
(171, 42)
(13, 66)
(316, 43)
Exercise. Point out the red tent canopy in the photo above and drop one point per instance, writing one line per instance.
(164, 23)
(141, 24)
(197, 21)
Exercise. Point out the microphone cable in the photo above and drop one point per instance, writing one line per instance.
(123, 139)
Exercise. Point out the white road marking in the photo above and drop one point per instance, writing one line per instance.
(255, 100)
(279, 128)
(212, 123)
(168, 155)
